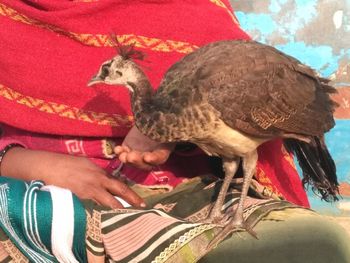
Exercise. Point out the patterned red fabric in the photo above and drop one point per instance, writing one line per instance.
(51, 48)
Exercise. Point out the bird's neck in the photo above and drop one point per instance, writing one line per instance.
(146, 112)
(142, 91)
(141, 95)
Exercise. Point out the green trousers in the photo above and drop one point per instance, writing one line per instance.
(289, 236)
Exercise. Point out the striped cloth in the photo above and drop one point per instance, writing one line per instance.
(46, 224)
(170, 230)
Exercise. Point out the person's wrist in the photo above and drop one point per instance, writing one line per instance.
(5, 150)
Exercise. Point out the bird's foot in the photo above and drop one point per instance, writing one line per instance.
(218, 221)
(233, 225)
(216, 217)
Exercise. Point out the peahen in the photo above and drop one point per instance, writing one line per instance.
(228, 98)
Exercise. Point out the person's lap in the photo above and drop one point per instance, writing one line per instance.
(286, 233)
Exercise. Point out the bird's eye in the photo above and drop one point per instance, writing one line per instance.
(105, 70)
(119, 73)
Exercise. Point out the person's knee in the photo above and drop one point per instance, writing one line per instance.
(289, 236)
(311, 237)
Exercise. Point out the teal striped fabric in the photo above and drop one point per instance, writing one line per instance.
(26, 217)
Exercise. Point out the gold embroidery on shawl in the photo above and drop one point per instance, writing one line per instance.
(181, 241)
(93, 240)
(221, 4)
(101, 40)
(66, 111)
(165, 207)
(108, 148)
(200, 214)
(94, 226)
(262, 178)
(3, 253)
(13, 251)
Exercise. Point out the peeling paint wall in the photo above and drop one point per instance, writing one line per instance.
(317, 32)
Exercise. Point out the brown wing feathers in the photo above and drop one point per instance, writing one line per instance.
(269, 93)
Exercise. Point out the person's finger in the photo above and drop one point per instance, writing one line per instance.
(104, 198)
(160, 155)
(118, 149)
(132, 157)
(156, 157)
(123, 157)
(121, 190)
(135, 158)
(133, 161)
(121, 148)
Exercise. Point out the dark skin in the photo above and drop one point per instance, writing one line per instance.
(140, 151)
(83, 177)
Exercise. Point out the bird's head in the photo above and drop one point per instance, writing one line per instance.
(120, 70)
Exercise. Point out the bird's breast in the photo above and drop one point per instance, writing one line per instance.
(227, 142)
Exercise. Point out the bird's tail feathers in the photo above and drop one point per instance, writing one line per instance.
(318, 167)
(329, 89)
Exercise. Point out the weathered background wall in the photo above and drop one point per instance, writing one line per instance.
(317, 32)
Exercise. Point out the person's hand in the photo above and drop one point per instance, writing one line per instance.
(142, 152)
(78, 174)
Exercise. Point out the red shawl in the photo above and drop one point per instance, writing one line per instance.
(49, 49)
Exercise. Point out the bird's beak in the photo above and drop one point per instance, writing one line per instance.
(94, 80)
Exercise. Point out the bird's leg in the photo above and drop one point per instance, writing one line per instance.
(237, 222)
(249, 169)
(230, 167)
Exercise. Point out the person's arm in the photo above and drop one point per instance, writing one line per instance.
(78, 174)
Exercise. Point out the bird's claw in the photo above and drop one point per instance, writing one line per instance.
(219, 220)
(251, 232)
(231, 227)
